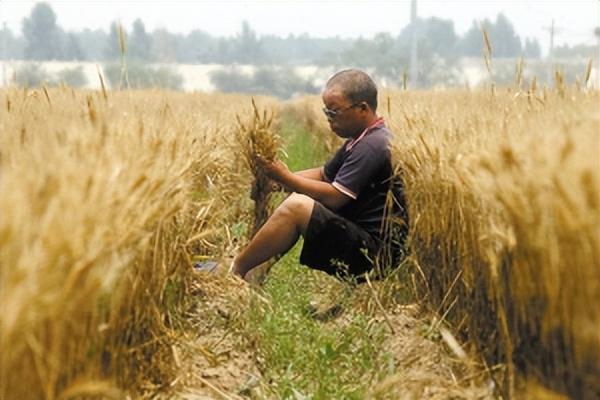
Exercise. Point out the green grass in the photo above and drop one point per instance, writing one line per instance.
(302, 148)
(301, 356)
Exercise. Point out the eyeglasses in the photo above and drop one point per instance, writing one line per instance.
(332, 114)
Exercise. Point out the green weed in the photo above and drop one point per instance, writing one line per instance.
(301, 356)
(304, 150)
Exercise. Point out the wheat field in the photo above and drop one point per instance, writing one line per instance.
(105, 199)
(503, 190)
(108, 197)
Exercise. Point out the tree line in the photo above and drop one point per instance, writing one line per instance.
(42, 39)
(386, 55)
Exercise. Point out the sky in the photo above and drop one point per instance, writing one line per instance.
(574, 20)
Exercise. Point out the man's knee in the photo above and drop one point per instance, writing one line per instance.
(297, 207)
(298, 203)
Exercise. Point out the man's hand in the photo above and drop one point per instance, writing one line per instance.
(317, 189)
(276, 170)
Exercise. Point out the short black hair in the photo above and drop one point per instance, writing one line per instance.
(356, 85)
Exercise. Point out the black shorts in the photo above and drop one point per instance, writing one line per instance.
(336, 245)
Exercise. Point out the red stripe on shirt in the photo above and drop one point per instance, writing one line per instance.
(378, 123)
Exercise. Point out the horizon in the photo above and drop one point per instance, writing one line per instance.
(575, 21)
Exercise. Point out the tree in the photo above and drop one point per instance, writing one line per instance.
(360, 54)
(576, 51)
(112, 49)
(199, 46)
(227, 51)
(249, 49)
(94, 42)
(282, 82)
(11, 46)
(425, 53)
(31, 75)
(164, 46)
(142, 76)
(72, 50)
(471, 44)
(140, 43)
(505, 41)
(532, 49)
(440, 35)
(42, 35)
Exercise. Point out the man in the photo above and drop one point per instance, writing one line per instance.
(338, 208)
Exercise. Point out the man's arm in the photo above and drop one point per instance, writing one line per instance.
(323, 192)
(319, 190)
(315, 174)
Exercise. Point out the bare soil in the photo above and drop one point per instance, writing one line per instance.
(217, 364)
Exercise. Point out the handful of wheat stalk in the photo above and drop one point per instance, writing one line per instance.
(258, 141)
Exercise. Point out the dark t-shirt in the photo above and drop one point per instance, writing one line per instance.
(364, 173)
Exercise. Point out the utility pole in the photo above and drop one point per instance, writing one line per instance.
(597, 32)
(414, 62)
(4, 53)
(553, 31)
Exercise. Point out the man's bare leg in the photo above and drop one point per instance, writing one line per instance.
(278, 234)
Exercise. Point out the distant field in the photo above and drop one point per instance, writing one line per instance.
(196, 77)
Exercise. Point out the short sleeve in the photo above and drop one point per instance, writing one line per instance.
(334, 164)
(359, 169)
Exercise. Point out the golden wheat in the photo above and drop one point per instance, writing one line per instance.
(108, 197)
(503, 196)
(105, 201)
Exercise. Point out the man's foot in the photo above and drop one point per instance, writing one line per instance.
(257, 275)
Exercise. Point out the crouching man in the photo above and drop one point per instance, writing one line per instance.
(339, 209)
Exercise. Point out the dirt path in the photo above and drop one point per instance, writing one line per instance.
(218, 363)
(215, 361)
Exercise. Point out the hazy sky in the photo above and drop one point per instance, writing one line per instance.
(574, 19)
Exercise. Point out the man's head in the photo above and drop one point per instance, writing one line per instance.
(350, 99)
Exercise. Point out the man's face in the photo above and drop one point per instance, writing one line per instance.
(348, 120)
